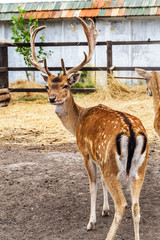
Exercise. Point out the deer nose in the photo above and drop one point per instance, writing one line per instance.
(52, 99)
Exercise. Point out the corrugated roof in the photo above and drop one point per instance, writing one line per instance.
(84, 8)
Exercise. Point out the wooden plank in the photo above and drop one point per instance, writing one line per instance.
(138, 78)
(74, 90)
(83, 90)
(4, 91)
(60, 44)
(133, 68)
(53, 44)
(86, 68)
(134, 42)
(57, 68)
(27, 90)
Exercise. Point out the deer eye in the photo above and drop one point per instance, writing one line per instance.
(65, 86)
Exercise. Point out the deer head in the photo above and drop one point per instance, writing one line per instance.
(148, 77)
(59, 86)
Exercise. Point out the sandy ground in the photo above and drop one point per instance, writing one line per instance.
(44, 185)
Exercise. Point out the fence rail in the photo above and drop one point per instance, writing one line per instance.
(4, 69)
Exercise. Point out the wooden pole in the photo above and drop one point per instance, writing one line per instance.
(109, 55)
(3, 66)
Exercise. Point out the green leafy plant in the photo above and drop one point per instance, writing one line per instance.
(21, 34)
(84, 82)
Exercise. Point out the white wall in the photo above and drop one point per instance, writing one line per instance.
(125, 29)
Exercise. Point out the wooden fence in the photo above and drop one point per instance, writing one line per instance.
(4, 68)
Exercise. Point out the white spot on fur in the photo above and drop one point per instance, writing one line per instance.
(105, 159)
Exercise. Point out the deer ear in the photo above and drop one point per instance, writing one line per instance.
(143, 73)
(74, 79)
(45, 77)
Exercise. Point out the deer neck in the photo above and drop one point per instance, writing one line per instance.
(156, 91)
(69, 113)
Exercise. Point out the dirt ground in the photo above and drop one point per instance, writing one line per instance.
(45, 196)
(44, 185)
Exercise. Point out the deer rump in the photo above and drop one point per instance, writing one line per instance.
(98, 135)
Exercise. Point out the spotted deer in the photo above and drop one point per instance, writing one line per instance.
(113, 140)
(153, 88)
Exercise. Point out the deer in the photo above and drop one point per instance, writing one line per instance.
(153, 88)
(114, 141)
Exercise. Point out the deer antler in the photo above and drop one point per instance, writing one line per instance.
(91, 34)
(35, 61)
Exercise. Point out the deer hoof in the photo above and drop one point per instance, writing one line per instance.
(90, 226)
(105, 213)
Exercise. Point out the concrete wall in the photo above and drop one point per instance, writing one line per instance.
(125, 29)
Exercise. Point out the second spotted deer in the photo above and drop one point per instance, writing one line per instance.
(153, 87)
(113, 140)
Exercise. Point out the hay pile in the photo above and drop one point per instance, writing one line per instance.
(34, 123)
(26, 84)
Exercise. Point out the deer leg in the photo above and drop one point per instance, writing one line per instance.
(135, 192)
(92, 174)
(120, 204)
(105, 210)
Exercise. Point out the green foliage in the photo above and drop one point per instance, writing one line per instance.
(140, 82)
(84, 81)
(21, 34)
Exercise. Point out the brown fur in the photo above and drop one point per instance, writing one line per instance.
(157, 121)
(105, 137)
(96, 129)
(153, 84)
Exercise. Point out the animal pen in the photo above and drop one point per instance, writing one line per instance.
(4, 68)
(35, 183)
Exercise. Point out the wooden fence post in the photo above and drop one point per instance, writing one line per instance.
(3, 65)
(109, 56)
